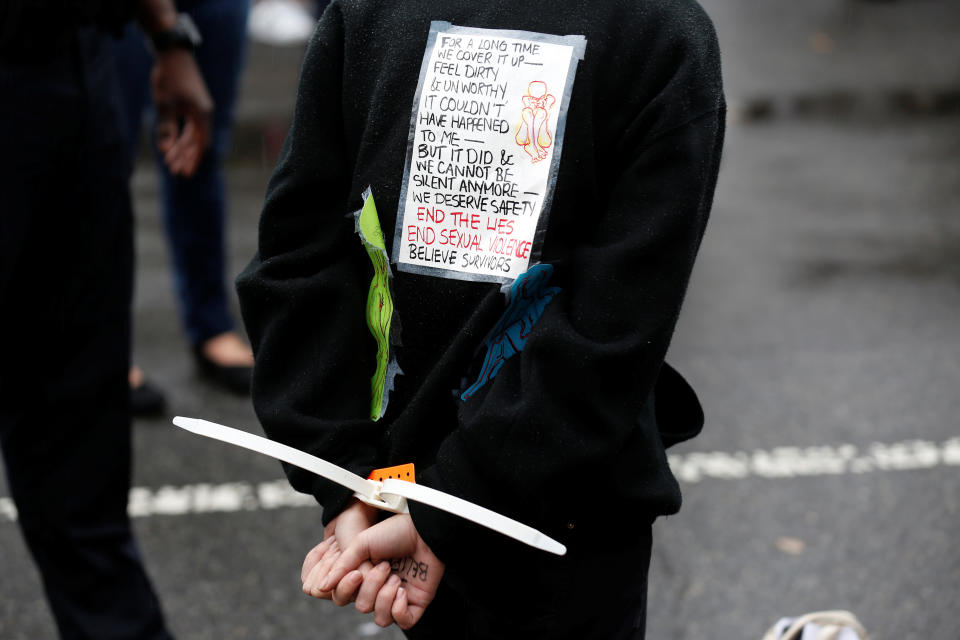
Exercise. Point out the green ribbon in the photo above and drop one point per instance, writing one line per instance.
(379, 304)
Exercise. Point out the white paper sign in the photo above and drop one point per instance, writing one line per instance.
(485, 144)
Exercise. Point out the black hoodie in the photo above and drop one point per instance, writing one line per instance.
(570, 435)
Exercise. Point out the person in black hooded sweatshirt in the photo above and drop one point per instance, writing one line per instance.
(66, 267)
(564, 428)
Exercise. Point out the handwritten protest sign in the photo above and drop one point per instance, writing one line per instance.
(486, 138)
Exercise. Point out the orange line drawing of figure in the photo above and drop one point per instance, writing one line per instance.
(533, 132)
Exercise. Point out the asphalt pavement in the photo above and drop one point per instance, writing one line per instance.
(821, 330)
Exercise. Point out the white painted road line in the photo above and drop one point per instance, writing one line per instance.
(228, 497)
(780, 462)
(830, 460)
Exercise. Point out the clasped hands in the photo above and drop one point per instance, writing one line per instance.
(384, 567)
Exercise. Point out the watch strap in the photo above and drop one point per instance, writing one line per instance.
(182, 35)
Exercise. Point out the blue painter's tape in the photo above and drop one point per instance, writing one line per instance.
(528, 297)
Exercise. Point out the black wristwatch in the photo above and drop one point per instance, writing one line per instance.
(183, 35)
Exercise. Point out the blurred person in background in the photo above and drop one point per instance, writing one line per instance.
(65, 287)
(195, 207)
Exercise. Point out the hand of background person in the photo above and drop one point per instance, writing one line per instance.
(183, 110)
(401, 585)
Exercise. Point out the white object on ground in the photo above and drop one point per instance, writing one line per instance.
(280, 22)
(818, 625)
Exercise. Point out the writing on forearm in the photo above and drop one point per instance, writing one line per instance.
(409, 568)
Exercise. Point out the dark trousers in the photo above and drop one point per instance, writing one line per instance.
(65, 280)
(593, 593)
(195, 208)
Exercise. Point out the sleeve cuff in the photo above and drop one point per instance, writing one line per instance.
(451, 538)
